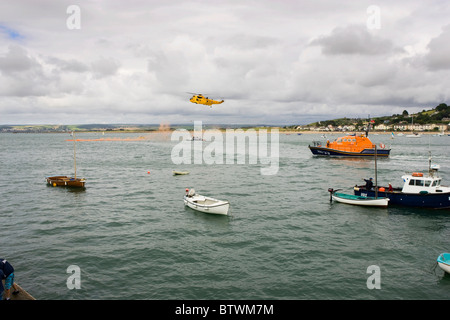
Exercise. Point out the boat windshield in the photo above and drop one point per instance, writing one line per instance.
(436, 183)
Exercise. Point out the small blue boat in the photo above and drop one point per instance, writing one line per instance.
(444, 262)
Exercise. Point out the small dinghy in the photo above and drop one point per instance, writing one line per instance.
(358, 200)
(205, 204)
(444, 262)
(179, 173)
(361, 200)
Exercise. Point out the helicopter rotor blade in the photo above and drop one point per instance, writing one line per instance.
(202, 94)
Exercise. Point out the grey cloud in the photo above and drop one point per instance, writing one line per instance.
(353, 40)
(17, 60)
(249, 42)
(70, 65)
(438, 57)
(141, 56)
(25, 74)
(170, 68)
(21, 74)
(104, 67)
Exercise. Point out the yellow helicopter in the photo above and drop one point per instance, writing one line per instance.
(200, 99)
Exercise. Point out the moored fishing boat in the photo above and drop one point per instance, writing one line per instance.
(418, 190)
(205, 204)
(65, 181)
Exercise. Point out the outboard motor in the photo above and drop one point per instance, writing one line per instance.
(330, 190)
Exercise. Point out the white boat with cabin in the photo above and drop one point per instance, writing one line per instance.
(419, 190)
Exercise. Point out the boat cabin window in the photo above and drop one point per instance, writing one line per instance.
(427, 183)
(416, 182)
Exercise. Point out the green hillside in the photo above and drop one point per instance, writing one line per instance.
(438, 115)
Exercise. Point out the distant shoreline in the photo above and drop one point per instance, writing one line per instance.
(269, 129)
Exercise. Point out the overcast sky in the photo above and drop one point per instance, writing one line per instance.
(273, 62)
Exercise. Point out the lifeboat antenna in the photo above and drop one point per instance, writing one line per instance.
(368, 126)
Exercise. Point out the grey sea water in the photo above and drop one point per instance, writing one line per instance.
(132, 237)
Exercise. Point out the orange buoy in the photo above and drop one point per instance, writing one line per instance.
(382, 189)
(417, 174)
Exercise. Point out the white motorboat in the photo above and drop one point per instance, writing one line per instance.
(413, 135)
(205, 204)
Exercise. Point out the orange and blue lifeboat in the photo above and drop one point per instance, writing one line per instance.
(349, 146)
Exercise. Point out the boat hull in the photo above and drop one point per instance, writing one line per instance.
(413, 136)
(329, 152)
(207, 205)
(360, 200)
(64, 181)
(180, 173)
(444, 262)
(430, 200)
